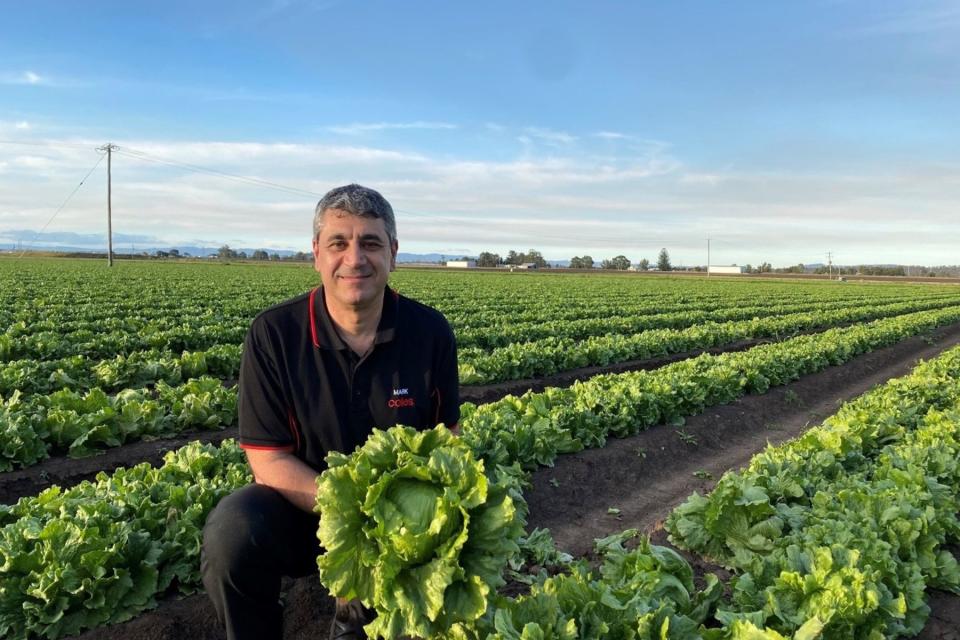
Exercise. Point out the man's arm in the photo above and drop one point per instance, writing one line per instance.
(284, 472)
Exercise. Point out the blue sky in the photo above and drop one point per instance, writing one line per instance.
(780, 130)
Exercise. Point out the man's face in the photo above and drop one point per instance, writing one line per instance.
(354, 257)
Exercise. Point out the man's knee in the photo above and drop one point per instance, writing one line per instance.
(237, 526)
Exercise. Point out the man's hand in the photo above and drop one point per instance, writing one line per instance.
(286, 473)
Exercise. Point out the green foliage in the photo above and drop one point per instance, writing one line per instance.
(643, 593)
(413, 527)
(846, 524)
(536, 427)
(102, 551)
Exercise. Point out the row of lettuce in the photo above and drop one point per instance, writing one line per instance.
(78, 423)
(49, 343)
(99, 552)
(45, 294)
(194, 307)
(637, 338)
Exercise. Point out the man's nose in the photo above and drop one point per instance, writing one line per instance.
(355, 255)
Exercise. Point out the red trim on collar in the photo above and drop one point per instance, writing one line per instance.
(313, 317)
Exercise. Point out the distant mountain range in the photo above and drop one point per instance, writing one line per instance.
(196, 251)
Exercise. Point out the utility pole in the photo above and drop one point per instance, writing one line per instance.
(708, 256)
(829, 265)
(109, 148)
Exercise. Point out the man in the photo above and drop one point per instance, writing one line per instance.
(319, 372)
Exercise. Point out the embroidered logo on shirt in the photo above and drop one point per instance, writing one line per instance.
(401, 399)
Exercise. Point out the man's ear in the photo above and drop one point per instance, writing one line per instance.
(316, 253)
(393, 255)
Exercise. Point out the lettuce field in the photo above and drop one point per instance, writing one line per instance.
(639, 457)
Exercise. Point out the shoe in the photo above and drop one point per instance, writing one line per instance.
(348, 621)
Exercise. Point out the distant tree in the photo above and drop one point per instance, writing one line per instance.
(487, 259)
(513, 258)
(643, 265)
(663, 261)
(535, 257)
(275, 257)
(260, 254)
(242, 255)
(587, 262)
(226, 252)
(576, 262)
(161, 254)
(621, 263)
(765, 267)
(174, 253)
(300, 256)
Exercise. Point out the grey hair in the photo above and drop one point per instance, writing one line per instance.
(359, 201)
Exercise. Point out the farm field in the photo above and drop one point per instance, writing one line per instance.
(676, 382)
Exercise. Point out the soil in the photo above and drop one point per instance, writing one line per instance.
(644, 476)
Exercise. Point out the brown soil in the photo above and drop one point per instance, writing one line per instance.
(644, 476)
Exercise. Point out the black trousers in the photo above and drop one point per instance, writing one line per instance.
(251, 540)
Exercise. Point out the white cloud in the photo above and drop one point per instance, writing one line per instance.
(610, 135)
(570, 200)
(22, 77)
(23, 125)
(31, 78)
(361, 128)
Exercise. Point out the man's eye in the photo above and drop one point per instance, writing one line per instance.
(338, 245)
(372, 245)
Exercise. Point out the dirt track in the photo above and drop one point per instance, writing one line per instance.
(573, 497)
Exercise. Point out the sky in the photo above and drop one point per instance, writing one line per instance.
(780, 131)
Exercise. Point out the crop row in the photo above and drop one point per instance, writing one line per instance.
(32, 428)
(848, 523)
(673, 317)
(517, 361)
(551, 355)
(533, 428)
(530, 430)
(102, 551)
(80, 423)
(197, 327)
(95, 343)
(137, 369)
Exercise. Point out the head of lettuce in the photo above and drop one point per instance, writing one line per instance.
(412, 525)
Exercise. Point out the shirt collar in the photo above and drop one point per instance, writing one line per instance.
(326, 333)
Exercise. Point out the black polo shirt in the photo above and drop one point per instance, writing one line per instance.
(303, 390)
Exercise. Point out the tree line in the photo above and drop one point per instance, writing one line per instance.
(618, 263)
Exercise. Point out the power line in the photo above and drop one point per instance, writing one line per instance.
(147, 157)
(60, 208)
(141, 155)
